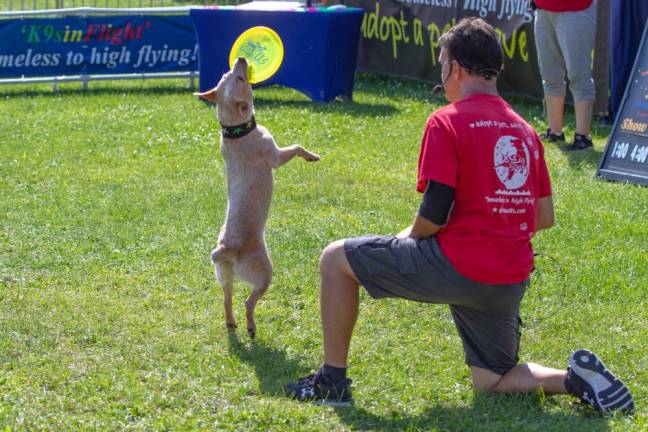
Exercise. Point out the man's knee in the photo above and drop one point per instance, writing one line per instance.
(331, 255)
(333, 259)
(484, 380)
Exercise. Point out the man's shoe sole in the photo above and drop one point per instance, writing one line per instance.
(610, 393)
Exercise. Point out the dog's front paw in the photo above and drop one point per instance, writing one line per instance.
(310, 157)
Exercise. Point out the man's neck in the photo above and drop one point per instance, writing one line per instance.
(478, 86)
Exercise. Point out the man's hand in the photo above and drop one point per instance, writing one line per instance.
(545, 213)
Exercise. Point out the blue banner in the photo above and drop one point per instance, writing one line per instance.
(97, 45)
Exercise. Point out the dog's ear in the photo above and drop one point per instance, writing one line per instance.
(243, 108)
(209, 95)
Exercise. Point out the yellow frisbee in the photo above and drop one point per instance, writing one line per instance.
(263, 50)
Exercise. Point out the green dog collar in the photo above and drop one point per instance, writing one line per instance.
(239, 131)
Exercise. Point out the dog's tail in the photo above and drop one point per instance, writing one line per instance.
(221, 253)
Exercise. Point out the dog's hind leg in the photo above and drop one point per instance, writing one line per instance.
(221, 253)
(225, 276)
(256, 269)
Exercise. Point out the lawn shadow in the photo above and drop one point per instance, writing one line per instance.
(590, 157)
(271, 365)
(41, 90)
(347, 107)
(487, 413)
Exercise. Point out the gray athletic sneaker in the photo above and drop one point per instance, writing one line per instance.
(589, 380)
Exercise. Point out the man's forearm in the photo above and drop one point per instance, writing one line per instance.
(422, 228)
(405, 233)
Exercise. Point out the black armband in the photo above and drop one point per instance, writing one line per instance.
(438, 200)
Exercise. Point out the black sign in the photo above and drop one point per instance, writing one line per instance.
(626, 154)
(401, 37)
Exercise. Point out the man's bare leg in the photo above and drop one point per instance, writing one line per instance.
(339, 298)
(523, 378)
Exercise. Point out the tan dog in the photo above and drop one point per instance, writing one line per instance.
(250, 154)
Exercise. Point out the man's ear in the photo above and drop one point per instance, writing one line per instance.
(243, 108)
(457, 71)
(209, 95)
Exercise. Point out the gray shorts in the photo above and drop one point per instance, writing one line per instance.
(564, 41)
(486, 316)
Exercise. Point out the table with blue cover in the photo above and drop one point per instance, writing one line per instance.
(320, 46)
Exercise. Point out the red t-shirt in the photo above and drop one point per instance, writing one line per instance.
(495, 162)
(563, 5)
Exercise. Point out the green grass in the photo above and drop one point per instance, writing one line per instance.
(110, 317)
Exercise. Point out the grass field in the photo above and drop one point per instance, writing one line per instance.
(110, 317)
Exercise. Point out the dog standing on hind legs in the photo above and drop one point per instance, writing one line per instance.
(250, 155)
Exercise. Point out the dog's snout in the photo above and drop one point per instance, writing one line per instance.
(242, 60)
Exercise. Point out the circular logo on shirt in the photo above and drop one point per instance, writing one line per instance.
(511, 159)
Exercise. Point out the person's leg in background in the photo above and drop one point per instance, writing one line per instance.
(552, 70)
(583, 111)
(555, 106)
(576, 35)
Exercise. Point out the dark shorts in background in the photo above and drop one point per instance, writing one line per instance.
(487, 316)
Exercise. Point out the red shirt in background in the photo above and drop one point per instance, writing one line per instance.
(495, 162)
(563, 5)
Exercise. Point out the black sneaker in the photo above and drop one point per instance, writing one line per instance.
(317, 388)
(581, 142)
(589, 380)
(553, 137)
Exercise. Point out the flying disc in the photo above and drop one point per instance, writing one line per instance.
(263, 50)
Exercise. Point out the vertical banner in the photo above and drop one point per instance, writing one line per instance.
(401, 37)
(96, 45)
(601, 61)
(626, 155)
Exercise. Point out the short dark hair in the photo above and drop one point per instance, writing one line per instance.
(474, 44)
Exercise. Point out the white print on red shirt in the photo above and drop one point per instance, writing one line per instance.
(487, 236)
(512, 162)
